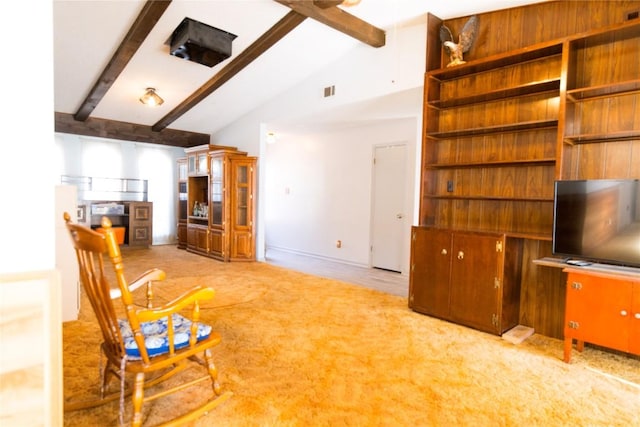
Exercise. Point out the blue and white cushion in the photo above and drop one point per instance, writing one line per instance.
(156, 335)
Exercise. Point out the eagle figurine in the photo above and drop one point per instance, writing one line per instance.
(465, 40)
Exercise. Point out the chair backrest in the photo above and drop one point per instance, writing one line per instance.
(91, 249)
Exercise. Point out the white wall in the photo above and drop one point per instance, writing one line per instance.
(319, 189)
(106, 158)
(322, 140)
(27, 143)
(29, 283)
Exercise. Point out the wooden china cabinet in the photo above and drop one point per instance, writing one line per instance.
(221, 184)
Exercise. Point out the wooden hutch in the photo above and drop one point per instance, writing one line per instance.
(216, 205)
(549, 91)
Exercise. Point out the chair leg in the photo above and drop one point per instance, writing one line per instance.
(137, 398)
(213, 371)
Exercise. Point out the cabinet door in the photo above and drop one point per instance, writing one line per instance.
(430, 269)
(217, 244)
(182, 235)
(242, 246)
(597, 310)
(475, 281)
(242, 179)
(201, 164)
(202, 240)
(242, 241)
(140, 223)
(191, 238)
(182, 170)
(217, 190)
(191, 164)
(197, 238)
(634, 333)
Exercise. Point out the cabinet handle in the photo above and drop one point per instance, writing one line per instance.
(460, 255)
(576, 285)
(573, 324)
(443, 252)
(623, 312)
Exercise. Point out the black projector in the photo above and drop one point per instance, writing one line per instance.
(194, 41)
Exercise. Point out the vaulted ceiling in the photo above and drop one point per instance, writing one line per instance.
(107, 52)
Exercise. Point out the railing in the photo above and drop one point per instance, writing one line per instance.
(116, 189)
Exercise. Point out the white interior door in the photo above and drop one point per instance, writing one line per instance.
(389, 195)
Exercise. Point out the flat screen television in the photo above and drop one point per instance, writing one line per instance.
(598, 221)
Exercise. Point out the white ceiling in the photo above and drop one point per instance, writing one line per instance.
(87, 33)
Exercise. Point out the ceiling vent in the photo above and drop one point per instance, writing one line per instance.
(201, 43)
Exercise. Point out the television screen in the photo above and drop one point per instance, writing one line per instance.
(598, 220)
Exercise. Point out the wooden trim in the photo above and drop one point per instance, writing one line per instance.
(103, 128)
(340, 20)
(146, 20)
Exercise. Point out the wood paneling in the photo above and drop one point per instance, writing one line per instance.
(510, 29)
(550, 91)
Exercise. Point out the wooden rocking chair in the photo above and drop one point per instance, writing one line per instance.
(151, 341)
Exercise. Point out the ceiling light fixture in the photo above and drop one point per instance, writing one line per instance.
(151, 98)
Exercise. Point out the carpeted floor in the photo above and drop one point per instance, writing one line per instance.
(299, 350)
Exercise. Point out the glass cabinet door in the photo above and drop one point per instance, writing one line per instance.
(182, 201)
(217, 191)
(182, 171)
(202, 164)
(192, 164)
(242, 195)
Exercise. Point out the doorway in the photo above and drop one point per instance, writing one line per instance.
(388, 206)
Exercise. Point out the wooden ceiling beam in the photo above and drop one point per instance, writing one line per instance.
(144, 23)
(290, 21)
(340, 20)
(323, 4)
(112, 129)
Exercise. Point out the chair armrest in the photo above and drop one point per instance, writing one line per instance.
(154, 274)
(193, 296)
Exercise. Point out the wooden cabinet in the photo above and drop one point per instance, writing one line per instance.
(135, 219)
(182, 208)
(602, 308)
(221, 223)
(140, 227)
(469, 278)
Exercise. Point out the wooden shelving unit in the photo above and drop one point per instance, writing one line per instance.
(538, 103)
(602, 99)
(487, 145)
